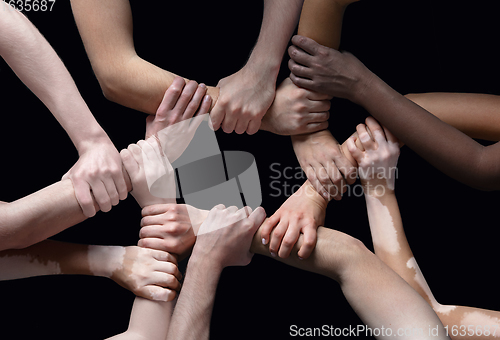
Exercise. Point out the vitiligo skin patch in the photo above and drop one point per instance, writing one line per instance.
(385, 235)
(21, 266)
(112, 255)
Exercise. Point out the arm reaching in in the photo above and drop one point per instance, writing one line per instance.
(125, 78)
(342, 75)
(377, 159)
(98, 168)
(149, 273)
(215, 249)
(247, 95)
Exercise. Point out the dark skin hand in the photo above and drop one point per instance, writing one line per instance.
(340, 74)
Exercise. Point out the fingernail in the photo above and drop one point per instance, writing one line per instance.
(203, 85)
(273, 254)
(301, 258)
(264, 241)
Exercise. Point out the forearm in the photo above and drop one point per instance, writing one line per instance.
(140, 85)
(278, 23)
(52, 257)
(445, 147)
(38, 66)
(191, 318)
(321, 20)
(149, 320)
(476, 115)
(376, 293)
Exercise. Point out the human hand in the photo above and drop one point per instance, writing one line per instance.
(377, 158)
(152, 176)
(178, 116)
(170, 227)
(244, 99)
(324, 163)
(326, 70)
(296, 111)
(148, 273)
(98, 173)
(302, 213)
(226, 235)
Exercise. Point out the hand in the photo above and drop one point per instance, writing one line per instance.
(98, 173)
(243, 100)
(296, 111)
(324, 163)
(152, 176)
(326, 70)
(228, 245)
(302, 213)
(178, 116)
(148, 273)
(170, 227)
(377, 158)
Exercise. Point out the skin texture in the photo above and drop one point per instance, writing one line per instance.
(35, 63)
(391, 246)
(445, 147)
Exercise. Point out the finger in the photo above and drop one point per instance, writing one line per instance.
(367, 142)
(195, 102)
(291, 236)
(315, 127)
(164, 257)
(268, 226)
(329, 176)
(253, 126)
(110, 186)
(257, 217)
(313, 95)
(376, 130)
(156, 293)
(136, 152)
(241, 126)
(164, 280)
(300, 56)
(153, 231)
(310, 238)
(101, 195)
(313, 179)
(318, 117)
(120, 185)
(129, 161)
(229, 122)
(84, 197)
(217, 114)
(232, 209)
(155, 209)
(277, 236)
(299, 70)
(354, 150)
(168, 268)
(170, 97)
(185, 97)
(66, 175)
(205, 105)
(154, 243)
(308, 45)
(303, 82)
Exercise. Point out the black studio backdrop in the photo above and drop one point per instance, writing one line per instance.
(415, 46)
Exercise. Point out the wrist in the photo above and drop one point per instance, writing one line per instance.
(310, 192)
(265, 70)
(91, 138)
(201, 262)
(376, 188)
(105, 260)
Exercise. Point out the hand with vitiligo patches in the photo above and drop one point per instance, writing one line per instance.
(377, 156)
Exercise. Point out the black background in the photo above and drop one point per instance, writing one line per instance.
(415, 46)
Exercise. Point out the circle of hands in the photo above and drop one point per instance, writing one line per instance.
(170, 232)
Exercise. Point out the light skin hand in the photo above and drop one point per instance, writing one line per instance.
(296, 111)
(302, 213)
(229, 245)
(138, 168)
(149, 273)
(170, 227)
(377, 156)
(98, 173)
(326, 70)
(324, 162)
(172, 124)
(243, 100)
